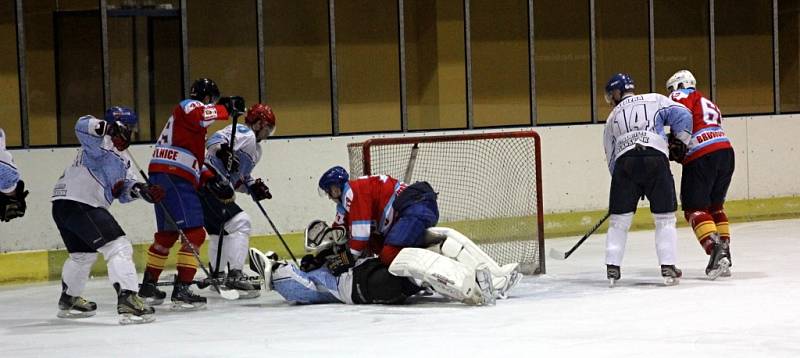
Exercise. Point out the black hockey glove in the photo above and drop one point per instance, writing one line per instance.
(234, 105)
(149, 193)
(340, 261)
(677, 149)
(119, 133)
(221, 189)
(259, 190)
(228, 158)
(310, 263)
(14, 205)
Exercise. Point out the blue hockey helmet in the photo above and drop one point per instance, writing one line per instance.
(622, 82)
(123, 115)
(335, 176)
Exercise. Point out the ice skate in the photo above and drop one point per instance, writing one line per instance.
(671, 275)
(237, 280)
(718, 262)
(613, 274)
(132, 308)
(511, 280)
(484, 279)
(150, 293)
(183, 299)
(727, 271)
(75, 307)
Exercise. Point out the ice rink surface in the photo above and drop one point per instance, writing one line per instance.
(570, 312)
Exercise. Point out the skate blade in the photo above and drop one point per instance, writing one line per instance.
(671, 281)
(249, 294)
(186, 307)
(74, 314)
(128, 318)
(152, 301)
(726, 273)
(612, 282)
(723, 266)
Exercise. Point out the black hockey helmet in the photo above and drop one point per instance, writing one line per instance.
(202, 88)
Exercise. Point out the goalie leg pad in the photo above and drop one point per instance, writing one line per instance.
(446, 276)
(119, 260)
(75, 272)
(666, 238)
(462, 249)
(317, 286)
(617, 236)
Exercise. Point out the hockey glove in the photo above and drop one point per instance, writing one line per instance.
(234, 105)
(221, 190)
(677, 149)
(310, 263)
(228, 158)
(340, 261)
(260, 191)
(13, 206)
(120, 135)
(150, 193)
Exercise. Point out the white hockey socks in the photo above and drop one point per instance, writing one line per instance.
(119, 259)
(75, 272)
(666, 238)
(617, 236)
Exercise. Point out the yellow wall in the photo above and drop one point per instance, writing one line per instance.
(9, 79)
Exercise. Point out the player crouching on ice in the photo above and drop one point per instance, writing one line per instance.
(227, 224)
(100, 173)
(334, 276)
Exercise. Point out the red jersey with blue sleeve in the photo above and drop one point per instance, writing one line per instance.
(366, 206)
(183, 140)
(707, 133)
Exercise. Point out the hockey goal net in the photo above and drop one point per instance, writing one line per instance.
(489, 186)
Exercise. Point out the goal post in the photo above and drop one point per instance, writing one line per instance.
(489, 185)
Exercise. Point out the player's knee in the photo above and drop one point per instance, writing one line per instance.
(120, 247)
(621, 221)
(664, 220)
(239, 223)
(196, 235)
(83, 258)
(694, 216)
(164, 240)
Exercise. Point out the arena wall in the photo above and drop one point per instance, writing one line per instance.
(575, 177)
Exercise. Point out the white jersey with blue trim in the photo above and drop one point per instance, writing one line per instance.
(9, 174)
(97, 168)
(247, 150)
(639, 120)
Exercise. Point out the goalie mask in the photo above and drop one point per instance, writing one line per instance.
(319, 236)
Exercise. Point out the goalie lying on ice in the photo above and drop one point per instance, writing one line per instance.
(452, 266)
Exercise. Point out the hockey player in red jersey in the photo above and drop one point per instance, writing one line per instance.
(176, 165)
(708, 164)
(381, 214)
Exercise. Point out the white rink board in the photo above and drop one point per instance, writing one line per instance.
(567, 313)
(574, 177)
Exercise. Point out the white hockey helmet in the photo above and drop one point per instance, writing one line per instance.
(681, 77)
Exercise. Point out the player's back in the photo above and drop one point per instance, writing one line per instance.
(707, 133)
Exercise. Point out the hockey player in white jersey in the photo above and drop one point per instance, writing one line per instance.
(100, 173)
(329, 276)
(226, 217)
(636, 148)
(12, 188)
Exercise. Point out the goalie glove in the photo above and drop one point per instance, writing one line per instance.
(149, 193)
(677, 149)
(260, 191)
(14, 205)
(228, 158)
(340, 260)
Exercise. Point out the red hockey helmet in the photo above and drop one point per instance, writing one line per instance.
(261, 113)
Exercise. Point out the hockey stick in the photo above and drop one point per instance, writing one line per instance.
(228, 294)
(229, 166)
(271, 223)
(558, 255)
(411, 161)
